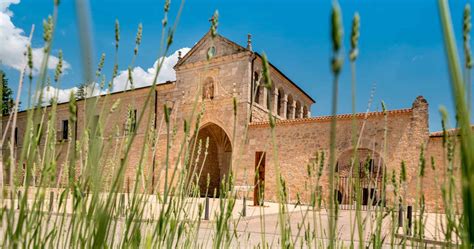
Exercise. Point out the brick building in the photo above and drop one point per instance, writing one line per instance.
(241, 142)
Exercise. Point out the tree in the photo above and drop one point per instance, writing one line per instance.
(81, 91)
(7, 95)
(6, 108)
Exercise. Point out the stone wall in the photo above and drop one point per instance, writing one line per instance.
(297, 141)
(436, 175)
(111, 136)
(230, 75)
(203, 95)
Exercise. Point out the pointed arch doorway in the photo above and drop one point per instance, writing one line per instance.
(215, 166)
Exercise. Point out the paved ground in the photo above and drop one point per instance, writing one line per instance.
(265, 221)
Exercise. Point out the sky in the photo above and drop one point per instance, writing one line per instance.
(401, 46)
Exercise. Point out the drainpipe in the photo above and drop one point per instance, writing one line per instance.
(254, 57)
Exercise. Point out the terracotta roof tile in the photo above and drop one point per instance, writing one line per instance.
(452, 131)
(339, 117)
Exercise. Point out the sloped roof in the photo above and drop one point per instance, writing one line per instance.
(286, 77)
(239, 48)
(103, 94)
(201, 41)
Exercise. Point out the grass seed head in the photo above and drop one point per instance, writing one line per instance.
(115, 71)
(130, 77)
(267, 80)
(138, 38)
(444, 120)
(336, 65)
(72, 107)
(101, 64)
(30, 57)
(355, 37)
(166, 7)
(167, 111)
(30, 61)
(422, 162)
(47, 29)
(271, 120)
(214, 23)
(403, 172)
(115, 106)
(336, 37)
(336, 28)
(59, 66)
(164, 22)
(170, 38)
(467, 35)
(117, 33)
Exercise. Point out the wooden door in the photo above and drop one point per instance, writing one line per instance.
(259, 189)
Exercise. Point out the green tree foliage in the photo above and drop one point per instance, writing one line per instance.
(81, 91)
(6, 93)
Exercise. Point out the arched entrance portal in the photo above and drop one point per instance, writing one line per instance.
(367, 172)
(214, 166)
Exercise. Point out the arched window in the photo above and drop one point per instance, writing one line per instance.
(289, 107)
(268, 98)
(305, 112)
(298, 113)
(256, 88)
(281, 95)
(208, 89)
(271, 98)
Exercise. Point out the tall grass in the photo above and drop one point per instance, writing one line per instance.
(68, 203)
(463, 119)
(336, 35)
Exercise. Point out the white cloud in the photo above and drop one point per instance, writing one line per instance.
(143, 77)
(62, 95)
(4, 6)
(14, 42)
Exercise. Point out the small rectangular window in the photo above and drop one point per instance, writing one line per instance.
(16, 136)
(133, 120)
(65, 131)
(130, 125)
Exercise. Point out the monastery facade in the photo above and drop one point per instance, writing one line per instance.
(240, 139)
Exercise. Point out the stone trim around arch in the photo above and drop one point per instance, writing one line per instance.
(213, 161)
(344, 162)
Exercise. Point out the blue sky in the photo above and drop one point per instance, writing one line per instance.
(401, 49)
